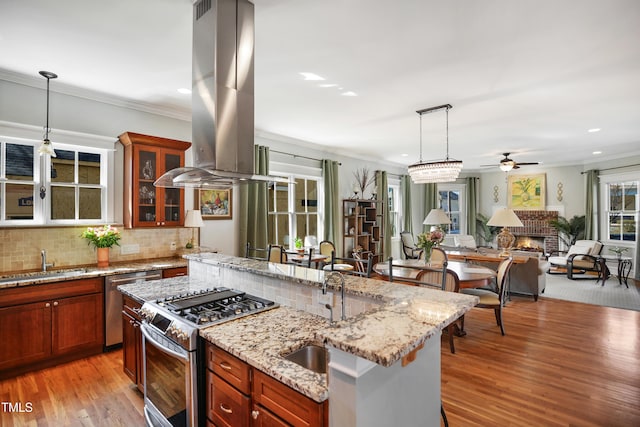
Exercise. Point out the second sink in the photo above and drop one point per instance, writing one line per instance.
(312, 357)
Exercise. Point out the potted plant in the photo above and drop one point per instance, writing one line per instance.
(485, 233)
(102, 238)
(569, 230)
(298, 244)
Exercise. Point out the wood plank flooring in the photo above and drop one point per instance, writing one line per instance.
(560, 364)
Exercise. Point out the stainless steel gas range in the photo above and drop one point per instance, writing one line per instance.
(172, 358)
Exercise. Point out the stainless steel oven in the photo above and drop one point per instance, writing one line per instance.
(173, 360)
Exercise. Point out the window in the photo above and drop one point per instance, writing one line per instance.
(67, 189)
(452, 203)
(622, 210)
(293, 210)
(395, 208)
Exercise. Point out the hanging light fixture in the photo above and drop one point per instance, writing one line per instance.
(446, 170)
(46, 148)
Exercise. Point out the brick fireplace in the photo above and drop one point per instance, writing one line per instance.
(536, 230)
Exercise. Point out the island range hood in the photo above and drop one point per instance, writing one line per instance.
(222, 98)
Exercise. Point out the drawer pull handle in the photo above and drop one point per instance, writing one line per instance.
(254, 414)
(225, 409)
(225, 366)
(47, 305)
(55, 303)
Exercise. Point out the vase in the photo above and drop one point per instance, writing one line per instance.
(427, 254)
(103, 257)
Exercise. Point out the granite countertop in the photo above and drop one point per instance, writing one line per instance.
(84, 272)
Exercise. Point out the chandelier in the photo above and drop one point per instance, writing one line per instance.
(46, 148)
(446, 170)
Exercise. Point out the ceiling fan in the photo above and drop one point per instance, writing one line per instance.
(507, 164)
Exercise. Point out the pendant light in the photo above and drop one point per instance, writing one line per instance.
(46, 148)
(446, 170)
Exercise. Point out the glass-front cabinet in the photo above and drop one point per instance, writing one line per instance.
(146, 158)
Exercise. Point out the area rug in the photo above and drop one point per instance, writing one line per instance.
(612, 294)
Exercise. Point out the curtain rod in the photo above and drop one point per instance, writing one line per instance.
(297, 155)
(610, 169)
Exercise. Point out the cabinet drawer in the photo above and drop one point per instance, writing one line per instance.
(131, 307)
(226, 406)
(44, 292)
(229, 368)
(293, 407)
(174, 272)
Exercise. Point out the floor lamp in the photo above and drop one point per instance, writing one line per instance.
(504, 218)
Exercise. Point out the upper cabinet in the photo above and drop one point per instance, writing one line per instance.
(146, 158)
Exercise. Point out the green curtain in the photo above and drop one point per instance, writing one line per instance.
(405, 191)
(431, 201)
(472, 204)
(332, 223)
(382, 194)
(254, 207)
(592, 197)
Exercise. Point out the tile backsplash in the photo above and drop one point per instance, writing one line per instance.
(20, 247)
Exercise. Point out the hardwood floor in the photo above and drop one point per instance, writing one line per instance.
(559, 364)
(88, 392)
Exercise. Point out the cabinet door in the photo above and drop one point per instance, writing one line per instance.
(173, 198)
(260, 417)
(129, 346)
(77, 324)
(145, 198)
(25, 334)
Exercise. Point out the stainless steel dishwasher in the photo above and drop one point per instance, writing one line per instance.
(113, 303)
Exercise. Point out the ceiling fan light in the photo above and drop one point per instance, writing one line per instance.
(506, 166)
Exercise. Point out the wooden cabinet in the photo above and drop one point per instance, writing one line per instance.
(363, 227)
(132, 341)
(146, 158)
(42, 325)
(238, 395)
(174, 272)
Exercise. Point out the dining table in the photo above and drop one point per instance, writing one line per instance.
(470, 275)
(302, 258)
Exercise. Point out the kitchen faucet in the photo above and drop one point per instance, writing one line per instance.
(333, 276)
(43, 255)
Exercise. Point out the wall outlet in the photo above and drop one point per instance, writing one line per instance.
(325, 298)
(173, 246)
(130, 249)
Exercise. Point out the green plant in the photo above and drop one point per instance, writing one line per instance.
(102, 237)
(569, 230)
(485, 233)
(298, 243)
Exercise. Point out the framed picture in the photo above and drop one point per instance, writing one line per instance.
(527, 192)
(214, 204)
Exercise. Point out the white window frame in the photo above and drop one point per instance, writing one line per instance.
(461, 189)
(394, 183)
(605, 182)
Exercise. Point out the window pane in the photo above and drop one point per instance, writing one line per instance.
(628, 228)
(90, 203)
(282, 198)
(615, 197)
(19, 201)
(63, 205)
(62, 166)
(19, 162)
(454, 201)
(301, 197)
(312, 196)
(88, 168)
(630, 195)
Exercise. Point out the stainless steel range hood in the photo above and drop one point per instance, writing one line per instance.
(222, 98)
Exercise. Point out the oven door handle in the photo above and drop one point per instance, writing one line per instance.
(148, 336)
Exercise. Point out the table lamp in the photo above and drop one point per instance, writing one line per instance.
(193, 220)
(504, 218)
(436, 217)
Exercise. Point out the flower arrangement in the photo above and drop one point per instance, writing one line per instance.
(102, 237)
(431, 239)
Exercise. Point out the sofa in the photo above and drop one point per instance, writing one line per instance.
(528, 278)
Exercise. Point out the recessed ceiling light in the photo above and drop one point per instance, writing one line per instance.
(349, 93)
(328, 85)
(597, 152)
(594, 130)
(404, 155)
(311, 76)
(184, 91)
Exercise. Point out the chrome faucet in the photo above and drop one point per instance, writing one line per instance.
(333, 276)
(43, 255)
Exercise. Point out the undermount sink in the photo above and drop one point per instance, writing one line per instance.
(312, 357)
(25, 277)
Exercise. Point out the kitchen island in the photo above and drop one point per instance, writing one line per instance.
(384, 359)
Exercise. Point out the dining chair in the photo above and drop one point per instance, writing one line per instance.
(251, 252)
(344, 265)
(490, 299)
(277, 254)
(450, 283)
(438, 256)
(326, 248)
(408, 246)
(363, 262)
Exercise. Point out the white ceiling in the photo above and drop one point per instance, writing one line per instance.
(526, 77)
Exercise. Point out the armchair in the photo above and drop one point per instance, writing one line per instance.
(409, 247)
(582, 257)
